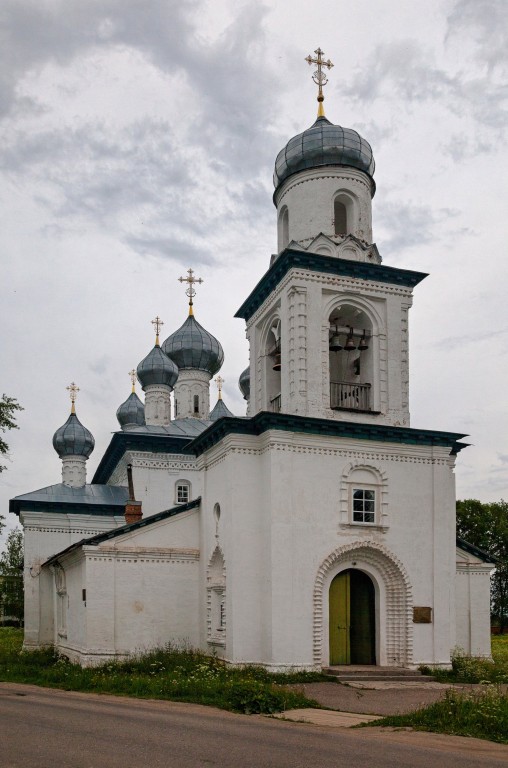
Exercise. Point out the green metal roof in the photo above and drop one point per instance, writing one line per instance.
(316, 262)
(265, 420)
(150, 520)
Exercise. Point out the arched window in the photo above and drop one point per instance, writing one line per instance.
(283, 229)
(196, 404)
(340, 217)
(182, 492)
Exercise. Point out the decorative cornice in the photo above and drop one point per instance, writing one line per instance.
(264, 421)
(132, 441)
(327, 264)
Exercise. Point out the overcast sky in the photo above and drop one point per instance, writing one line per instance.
(138, 140)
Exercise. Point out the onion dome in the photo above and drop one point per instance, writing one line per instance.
(220, 410)
(191, 346)
(244, 383)
(320, 145)
(157, 368)
(73, 439)
(131, 413)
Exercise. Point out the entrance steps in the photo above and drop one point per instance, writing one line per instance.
(366, 673)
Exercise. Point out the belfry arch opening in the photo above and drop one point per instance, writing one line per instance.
(273, 365)
(350, 359)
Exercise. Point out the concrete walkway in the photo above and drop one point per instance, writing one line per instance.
(325, 717)
(379, 698)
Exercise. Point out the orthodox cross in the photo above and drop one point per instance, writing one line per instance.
(191, 280)
(219, 381)
(157, 324)
(73, 392)
(319, 76)
(132, 375)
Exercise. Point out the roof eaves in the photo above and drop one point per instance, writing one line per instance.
(112, 534)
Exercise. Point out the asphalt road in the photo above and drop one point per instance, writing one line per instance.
(43, 728)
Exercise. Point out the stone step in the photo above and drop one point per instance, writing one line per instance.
(383, 678)
(365, 673)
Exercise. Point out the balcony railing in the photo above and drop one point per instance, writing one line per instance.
(353, 397)
(275, 404)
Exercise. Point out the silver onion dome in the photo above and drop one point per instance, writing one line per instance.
(244, 383)
(191, 346)
(157, 368)
(131, 413)
(320, 145)
(73, 439)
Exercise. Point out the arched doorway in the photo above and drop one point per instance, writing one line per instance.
(352, 606)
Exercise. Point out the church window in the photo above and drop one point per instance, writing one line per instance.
(364, 506)
(196, 403)
(285, 227)
(176, 407)
(182, 492)
(340, 217)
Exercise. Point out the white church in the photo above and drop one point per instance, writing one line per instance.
(316, 530)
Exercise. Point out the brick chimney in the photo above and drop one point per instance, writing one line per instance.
(133, 511)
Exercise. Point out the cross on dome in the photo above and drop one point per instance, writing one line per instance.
(191, 280)
(132, 375)
(157, 324)
(219, 381)
(319, 76)
(73, 392)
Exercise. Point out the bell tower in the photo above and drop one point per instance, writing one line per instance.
(328, 323)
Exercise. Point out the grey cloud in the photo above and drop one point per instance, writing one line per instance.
(485, 21)
(410, 224)
(170, 249)
(405, 70)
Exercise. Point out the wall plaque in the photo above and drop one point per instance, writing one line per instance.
(422, 614)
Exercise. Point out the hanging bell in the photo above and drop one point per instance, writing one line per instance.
(277, 365)
(350, 344)
(334, 344)
(363, 345)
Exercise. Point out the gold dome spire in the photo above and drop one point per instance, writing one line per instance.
(319, 76)
(73, 392)
(191, 280)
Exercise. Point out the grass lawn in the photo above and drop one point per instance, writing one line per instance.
(169, 673)
(482, 713)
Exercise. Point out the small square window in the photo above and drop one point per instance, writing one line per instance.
(364, 506)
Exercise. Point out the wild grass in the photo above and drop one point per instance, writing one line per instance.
(474, 669)
(482, 713)
(168, 673)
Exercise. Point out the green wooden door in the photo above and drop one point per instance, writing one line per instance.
(352, 619)
(340, 649)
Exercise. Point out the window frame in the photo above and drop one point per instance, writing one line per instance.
(363, 489)
(182, 484)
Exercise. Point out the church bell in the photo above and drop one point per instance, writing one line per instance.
(277, 365)
(350, 344)
(363, 345)
(335, 345)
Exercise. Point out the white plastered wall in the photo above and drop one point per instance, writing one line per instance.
(281, 518)
(472, 589)
(141, 592)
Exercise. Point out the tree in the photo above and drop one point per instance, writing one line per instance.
(11, 578)
(486, 526)
(8, 408)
